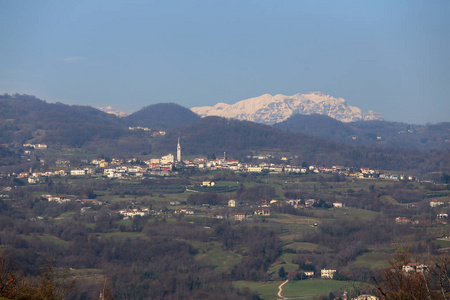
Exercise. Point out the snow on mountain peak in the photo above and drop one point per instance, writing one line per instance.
(268, 109)
(113, 111)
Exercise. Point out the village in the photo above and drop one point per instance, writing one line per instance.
(133, 168)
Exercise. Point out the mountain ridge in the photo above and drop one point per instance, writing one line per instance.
(268, 109)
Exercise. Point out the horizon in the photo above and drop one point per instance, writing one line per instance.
(391, 58)
(127, 113)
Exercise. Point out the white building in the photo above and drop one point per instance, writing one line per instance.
(255, 169)
(327, 273)
(168, 159)
(436, 203)
(77, 172)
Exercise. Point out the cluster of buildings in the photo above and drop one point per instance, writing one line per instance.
(164, 166)
(141, 128)
(35, 146)
(130, 213)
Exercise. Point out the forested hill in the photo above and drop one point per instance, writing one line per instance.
(162, 116)
(25, 118)
(242, 138)
(382, 134)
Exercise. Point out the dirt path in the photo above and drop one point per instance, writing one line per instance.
(280, 290)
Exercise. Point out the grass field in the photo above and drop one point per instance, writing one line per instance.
(301, 246)
(304, 289)
(266, 290)
(443, 243)
(285, 261)
(372, 260)
(315, 287)
(213, 255)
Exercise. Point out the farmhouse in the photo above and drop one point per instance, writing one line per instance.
(327, 273)
(436, 203)
(131, 213)
(262, 212)
(240, 216)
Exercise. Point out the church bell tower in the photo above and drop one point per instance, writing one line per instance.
(179, 151)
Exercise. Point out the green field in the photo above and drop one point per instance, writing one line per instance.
(284, 261)
(301, 246)
(213, 255)
(266, 290)
(315, 287)
(372, 260)
(303, 289)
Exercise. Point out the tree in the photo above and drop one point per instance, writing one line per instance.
(8, 281)
(138, 223)
(397, 284)
(282, 272)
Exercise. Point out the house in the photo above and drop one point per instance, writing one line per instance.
(436, 203)
(414, 267)
(77, 172)
(84, 209)
(131, 213)
(57, 199)
(309, 273)
(309, 202)
(33, 180)
(184, 211)
(337, 204)
(402, 220)
(327, 273)
(89, 201)
(208, 183)
(232, 203)
(254, 169)
(240, 216)
(262, 212)
(366, 297)
(442, 216)
(168, 159)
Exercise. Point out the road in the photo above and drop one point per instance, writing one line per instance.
(280, 290)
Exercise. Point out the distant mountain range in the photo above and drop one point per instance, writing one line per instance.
(113, 111)
(268, 109)
(314, 139)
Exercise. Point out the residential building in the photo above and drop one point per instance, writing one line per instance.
(327, 273)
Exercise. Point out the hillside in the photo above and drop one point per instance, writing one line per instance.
(241, 138)
(162, 116)
(268, 109)
(372, 133)
(27, 119)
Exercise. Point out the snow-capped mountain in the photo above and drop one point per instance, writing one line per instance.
(268, 109)
(113, 111)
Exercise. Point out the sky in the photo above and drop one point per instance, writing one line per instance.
(392, 57)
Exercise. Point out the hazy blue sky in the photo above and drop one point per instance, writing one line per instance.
(388, 56)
